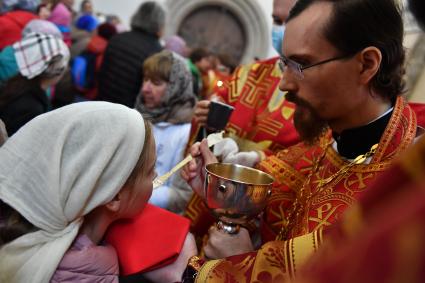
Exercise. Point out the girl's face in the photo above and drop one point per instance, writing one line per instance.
(134, 198)
(153, 91)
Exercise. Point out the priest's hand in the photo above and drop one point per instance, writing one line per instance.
(221, 244)
(200, 113)
(228, 152)
(193, 172)
(174, 271)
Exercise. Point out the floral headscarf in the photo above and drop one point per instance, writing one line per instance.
(178, 102)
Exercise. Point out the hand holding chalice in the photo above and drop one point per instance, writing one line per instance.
(235, 194)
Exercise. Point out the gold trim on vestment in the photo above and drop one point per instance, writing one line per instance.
(208, 266)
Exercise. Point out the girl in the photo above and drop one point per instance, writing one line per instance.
(64, 178)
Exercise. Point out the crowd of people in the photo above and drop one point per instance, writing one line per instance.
(92, 113)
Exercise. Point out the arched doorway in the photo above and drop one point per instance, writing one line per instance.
(237, 28)
(222, 33)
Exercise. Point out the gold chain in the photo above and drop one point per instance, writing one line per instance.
(297, 205)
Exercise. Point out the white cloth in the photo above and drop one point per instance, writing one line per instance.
(56, 169)
(228, 152)
(170, 143)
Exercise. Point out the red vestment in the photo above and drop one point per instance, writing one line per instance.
(299, 173)
(262, 120)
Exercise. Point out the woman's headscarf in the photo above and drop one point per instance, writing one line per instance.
(176, 44)
(39, 53)
(32, 55)
(178, 101)
(56, 169)
(41, 26)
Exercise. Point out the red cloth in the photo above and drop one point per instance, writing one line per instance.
(151, 240)
(97, 46)
(11, 26)
(382, 239)
(419, 109)
(261, 112)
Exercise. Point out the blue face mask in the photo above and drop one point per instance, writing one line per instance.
(278, 32)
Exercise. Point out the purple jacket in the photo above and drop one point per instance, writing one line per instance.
(86, 262)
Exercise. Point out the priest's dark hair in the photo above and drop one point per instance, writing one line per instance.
(358, 24)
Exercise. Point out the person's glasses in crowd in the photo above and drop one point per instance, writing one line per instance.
(297, 68)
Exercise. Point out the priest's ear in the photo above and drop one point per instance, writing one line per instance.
(370, 60)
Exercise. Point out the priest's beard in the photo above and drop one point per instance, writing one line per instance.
(307, 121)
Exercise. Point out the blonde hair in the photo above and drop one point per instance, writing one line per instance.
(158, 66)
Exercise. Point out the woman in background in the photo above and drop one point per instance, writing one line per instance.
(42, 60)
(167, 97)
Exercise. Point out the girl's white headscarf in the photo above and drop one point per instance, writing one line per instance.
(55, 170)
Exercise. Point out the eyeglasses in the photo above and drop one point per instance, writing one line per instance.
(297, 68)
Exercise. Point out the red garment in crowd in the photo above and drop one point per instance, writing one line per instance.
(11, 26)
(316, 178)
(96, 46)
(262, 119)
